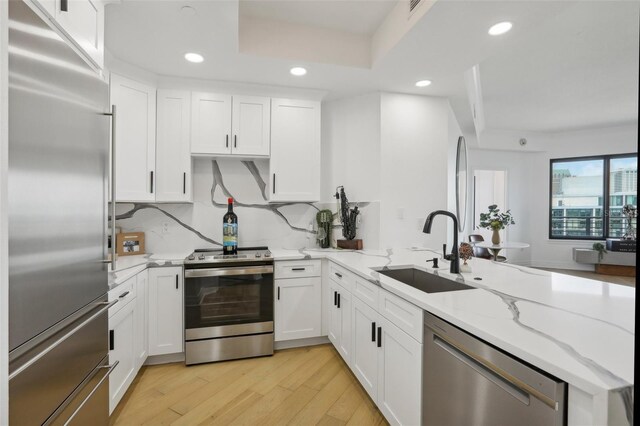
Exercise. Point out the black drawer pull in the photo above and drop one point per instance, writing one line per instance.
(151, 178)
(373, 331)
(235, 141)
(379, 337)
(184, 183)
(123, 295)
(278, 292)
(338, 300)
(177, 281)
(338, 275)
(226, 143)
(64, 5)
(298, 269)
(112, 340)
(274, 183)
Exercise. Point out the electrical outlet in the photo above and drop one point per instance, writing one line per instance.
(165, 228)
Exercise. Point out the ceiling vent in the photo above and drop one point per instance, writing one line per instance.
(412, 5)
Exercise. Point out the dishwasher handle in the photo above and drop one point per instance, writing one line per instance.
(517, 388)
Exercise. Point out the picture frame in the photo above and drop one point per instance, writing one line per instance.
(130, 243)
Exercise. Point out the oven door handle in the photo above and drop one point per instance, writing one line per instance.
(220, 272)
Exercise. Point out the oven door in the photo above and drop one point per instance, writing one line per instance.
(228, 301)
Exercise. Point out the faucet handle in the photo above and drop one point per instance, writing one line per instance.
(435, 262)
(445, 256)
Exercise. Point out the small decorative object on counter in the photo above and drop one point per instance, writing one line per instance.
(230, 230)
(349, 220)
(130, 243)
(630, 212)
(324, 218)
(466, 253)
(495, 220)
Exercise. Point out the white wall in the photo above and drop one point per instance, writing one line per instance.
(4, 253)
(413, 170)
(613, 140)
(528, 187)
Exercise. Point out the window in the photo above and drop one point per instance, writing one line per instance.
(587, 195)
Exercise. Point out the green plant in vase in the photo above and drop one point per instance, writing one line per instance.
(496, 221)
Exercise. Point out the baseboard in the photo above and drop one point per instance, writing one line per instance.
(562, 265)
(298, 343)
(164, 359)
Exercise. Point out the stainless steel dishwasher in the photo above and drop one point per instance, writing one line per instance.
(468, 382)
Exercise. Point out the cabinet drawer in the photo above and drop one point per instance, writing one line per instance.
(366, 291)
(297, 269)
(341, 276)
(125, 292)
(401, 313)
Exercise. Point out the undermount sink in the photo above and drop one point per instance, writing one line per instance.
(424, 281)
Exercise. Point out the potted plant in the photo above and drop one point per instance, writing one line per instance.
(599, 247)
(496, 220)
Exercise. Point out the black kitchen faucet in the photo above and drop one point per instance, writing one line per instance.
(454, 258)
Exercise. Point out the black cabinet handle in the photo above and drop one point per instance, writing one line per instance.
(64, 5)
(184, 182)
(235, 141)
(379, 337)
(298, 269)
(112, 340)
(335, 298)
(177, 281)
(274, 183)
(373, 331)
(151, 178)
(278, 292)
(338, 300)
(226, 143)
(123, 295)
(338, 275)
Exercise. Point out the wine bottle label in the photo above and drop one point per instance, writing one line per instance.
(230, 234)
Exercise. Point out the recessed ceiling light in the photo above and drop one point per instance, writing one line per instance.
(500, 28)
(423, 83)
(194, 57)
(298, 71)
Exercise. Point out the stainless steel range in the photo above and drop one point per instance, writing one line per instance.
(228, 305)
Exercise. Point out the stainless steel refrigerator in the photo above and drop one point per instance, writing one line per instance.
(58, 179)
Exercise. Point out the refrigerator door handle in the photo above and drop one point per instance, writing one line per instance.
(106, 306)
(112, 183)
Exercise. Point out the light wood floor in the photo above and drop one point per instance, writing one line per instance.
(629, 281)
(302, 386)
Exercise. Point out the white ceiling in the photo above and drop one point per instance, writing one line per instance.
(564, 65)
(352, 16)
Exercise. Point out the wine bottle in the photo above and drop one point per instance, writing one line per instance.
(230, 230)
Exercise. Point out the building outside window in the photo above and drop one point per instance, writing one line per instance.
(587, 195)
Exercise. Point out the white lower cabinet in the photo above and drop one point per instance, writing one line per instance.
(298, 308)
(141, 343)
(399, 375)
(340, 332)
(386, 360)
(166, 320)
(121, 349)
(365, 353)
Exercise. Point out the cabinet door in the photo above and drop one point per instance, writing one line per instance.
(121, 348)
(210, 123)
(141, 319)
(335, 322)
(173, 158)
(399, 376)
(135, 139)
(165, 311)
(83, 21)
(365, 352)
(346, 332)
(295, 151)
(251, 125)
(298, 308)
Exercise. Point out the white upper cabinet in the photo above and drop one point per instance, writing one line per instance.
(230, 125)
(173, 159)
(135, 139)
(251, 125)
(83, 23)
(210, 123)
(295, 150)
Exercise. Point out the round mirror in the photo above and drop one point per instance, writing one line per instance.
(461, 183)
